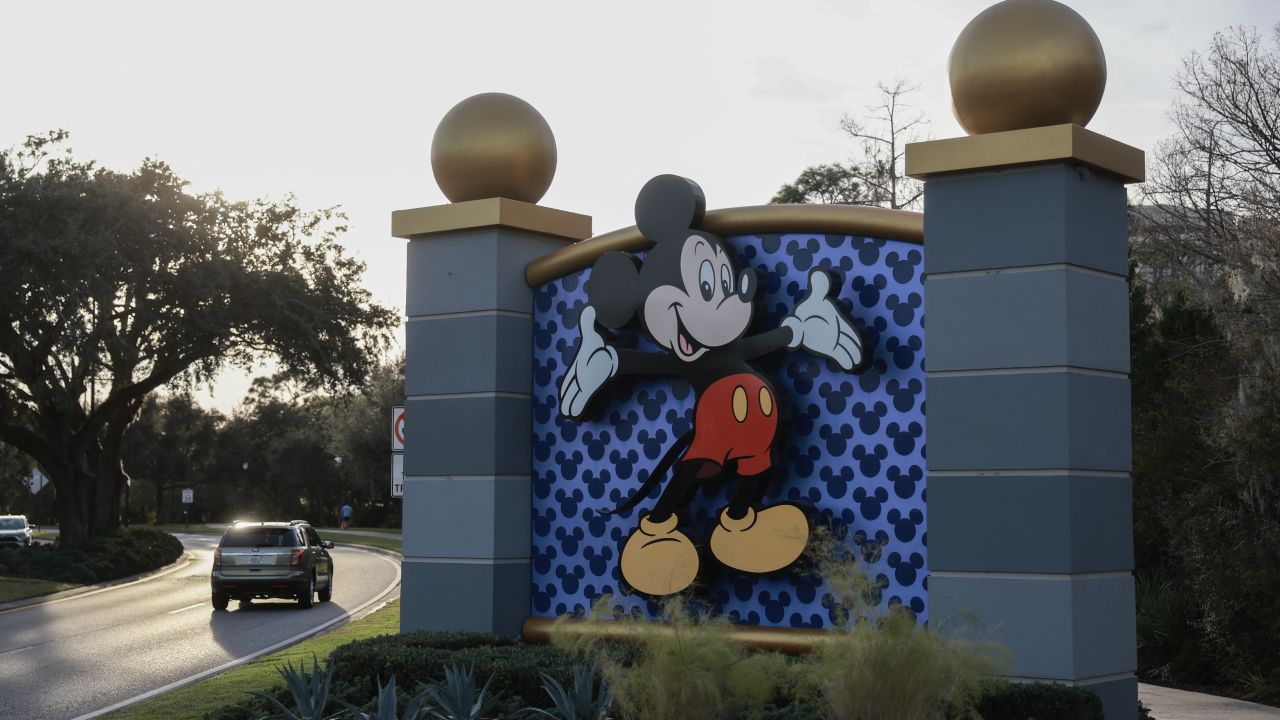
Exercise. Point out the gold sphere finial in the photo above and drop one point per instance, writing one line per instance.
(1023, 64)
(493, 145)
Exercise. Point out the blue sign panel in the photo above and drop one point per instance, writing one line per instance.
(850, 447)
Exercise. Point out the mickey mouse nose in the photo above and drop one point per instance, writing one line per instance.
(747, 285)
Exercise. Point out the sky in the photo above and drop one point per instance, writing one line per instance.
(336, 102)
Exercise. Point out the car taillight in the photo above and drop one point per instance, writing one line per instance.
(217, 558)
(295, 557)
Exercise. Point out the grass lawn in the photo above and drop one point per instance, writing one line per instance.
(387, 543)
(232, 686)
(389, 531)
(21, 588)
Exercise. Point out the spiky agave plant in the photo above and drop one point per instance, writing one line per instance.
(387, 705)
(582, 703)
(310, 690)
(457, 697)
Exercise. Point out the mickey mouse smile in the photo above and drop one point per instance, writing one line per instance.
(686, 346)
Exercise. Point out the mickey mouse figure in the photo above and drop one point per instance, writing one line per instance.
(697, 306)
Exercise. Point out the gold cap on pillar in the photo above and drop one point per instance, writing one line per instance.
(493, 145)
(1024, 64)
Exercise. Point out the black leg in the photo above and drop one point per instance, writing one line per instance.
(749, 492)
(677, 494)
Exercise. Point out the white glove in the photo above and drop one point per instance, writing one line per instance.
(818, 325)
(592, 366)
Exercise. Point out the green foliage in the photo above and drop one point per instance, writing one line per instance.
(1169, 644)
(119, 283)
(457, 698)
(310, 690)
(689, 666)
(919, 673)
(1032, 701)
(516, 669)
(387, 707)
(588, 700)
(109, 556)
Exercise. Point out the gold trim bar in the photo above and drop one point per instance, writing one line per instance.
(788, 641)
(846, 219)
(1021, 147)
(487, 213)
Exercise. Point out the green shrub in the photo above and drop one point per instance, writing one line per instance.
(418, 657)
(998, 700)
(688, 667)
(109, 556)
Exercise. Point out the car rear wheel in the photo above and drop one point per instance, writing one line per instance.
(327, 593)
(220, 601)
(307, 598)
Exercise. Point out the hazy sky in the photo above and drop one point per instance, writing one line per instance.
(337, 102)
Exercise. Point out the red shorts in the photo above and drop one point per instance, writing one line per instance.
(736, 419)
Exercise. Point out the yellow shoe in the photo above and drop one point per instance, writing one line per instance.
(658, 559)
(761, 541)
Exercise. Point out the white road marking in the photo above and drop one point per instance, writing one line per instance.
(256, 654)
(184, 609)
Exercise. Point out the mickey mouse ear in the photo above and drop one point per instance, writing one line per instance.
(668, 206)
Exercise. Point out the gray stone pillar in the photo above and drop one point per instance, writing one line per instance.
(468, 382)
(1026, 290)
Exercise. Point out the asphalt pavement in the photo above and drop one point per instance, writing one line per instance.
(75, 657)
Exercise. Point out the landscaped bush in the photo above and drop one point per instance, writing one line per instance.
(693, 675)
(514, 667)
(106, 557)
(1041, 701)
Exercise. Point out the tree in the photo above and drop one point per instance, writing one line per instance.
(1206, 368)
(115, 284)
(876, 177)
(1211, 210)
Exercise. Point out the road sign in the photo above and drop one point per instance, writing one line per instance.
(397, 429)
(397, 475)
(188, 496)
(37, 481)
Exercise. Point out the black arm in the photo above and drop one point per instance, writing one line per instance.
(635, 362)
(766, 342)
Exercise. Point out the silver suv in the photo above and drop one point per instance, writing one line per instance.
(272, 560)
(14, 530)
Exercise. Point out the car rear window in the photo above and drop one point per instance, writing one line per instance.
(12, 524)
(260, 537)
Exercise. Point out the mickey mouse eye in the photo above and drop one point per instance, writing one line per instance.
(726, 280)
(707, 280)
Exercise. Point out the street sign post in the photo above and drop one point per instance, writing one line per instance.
(397, 452)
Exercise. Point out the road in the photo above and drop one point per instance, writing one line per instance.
(73, 657)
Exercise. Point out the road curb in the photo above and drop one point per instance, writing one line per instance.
(174, 566)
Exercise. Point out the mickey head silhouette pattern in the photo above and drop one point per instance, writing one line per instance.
(854, 446)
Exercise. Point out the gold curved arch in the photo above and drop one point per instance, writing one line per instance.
(844, 219)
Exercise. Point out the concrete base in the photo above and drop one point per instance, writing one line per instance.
(477, 596)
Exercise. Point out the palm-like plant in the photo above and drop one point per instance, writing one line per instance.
(457, 697)
(310, 690)
(582, 703)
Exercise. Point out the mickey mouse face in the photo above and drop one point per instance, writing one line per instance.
(710, 306)
(688, 293)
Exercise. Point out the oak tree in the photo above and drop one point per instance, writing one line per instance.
(114, 284)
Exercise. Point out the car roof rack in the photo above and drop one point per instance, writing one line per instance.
(298, 522)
